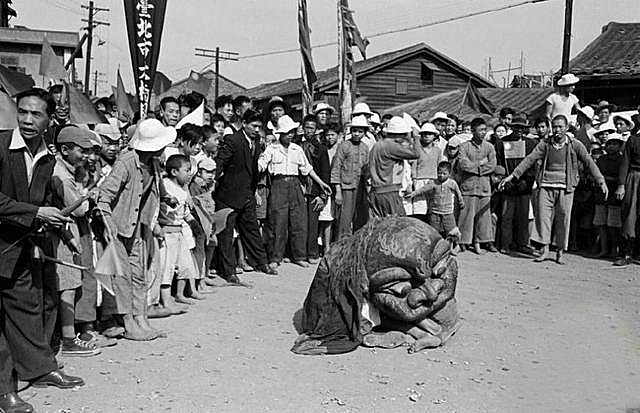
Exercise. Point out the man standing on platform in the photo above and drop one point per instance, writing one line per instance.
(26, 166)
(237, 179)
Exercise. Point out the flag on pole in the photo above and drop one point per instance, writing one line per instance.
(122, 100)
(474, 100)
(196, 117)
(51, 66)
(308, 69)
(81, 110)
(348, 36)
(145, 20)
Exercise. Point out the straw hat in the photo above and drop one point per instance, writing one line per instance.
(439, 116)
(616, 137)
(375, 119)
(397, 125)
(323, 106)
(568, 80)
(361, 109)
(604, 127)
(286, 124)
(429, 127)
(108, 130)
(625, 117)
(151, 136)
(359, 121)
(587, 111)
(603, 104)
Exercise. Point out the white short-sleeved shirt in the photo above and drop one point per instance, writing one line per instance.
(281, 161)
(562, 105)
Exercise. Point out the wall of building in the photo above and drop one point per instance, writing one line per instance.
(25, 58)
(624, 93)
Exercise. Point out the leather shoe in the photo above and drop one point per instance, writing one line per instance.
(12, 403)
(58, 379)
(267, 269)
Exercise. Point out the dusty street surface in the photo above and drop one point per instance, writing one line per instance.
(535, 338)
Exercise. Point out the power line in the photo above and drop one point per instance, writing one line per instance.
(404, 29)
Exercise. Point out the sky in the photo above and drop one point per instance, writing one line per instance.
(256, 26)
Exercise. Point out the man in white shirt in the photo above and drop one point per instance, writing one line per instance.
(286, 162)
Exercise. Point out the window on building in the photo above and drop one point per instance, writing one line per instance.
(402, 87)
(427, 71)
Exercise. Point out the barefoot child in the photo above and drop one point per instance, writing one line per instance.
(175, 219)
(73, 146)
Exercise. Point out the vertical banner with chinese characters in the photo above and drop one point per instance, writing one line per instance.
(145, 19)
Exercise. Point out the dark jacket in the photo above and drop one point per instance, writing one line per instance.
(237, 172)
(19, 201)
(318, 156)
(524, 184)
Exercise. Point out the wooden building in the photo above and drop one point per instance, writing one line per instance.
(383, 81)
(609, 67)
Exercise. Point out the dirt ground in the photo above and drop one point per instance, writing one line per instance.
(536, 338)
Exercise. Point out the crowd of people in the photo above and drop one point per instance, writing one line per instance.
(103, 227)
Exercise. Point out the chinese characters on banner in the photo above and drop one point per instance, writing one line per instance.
(145, 19)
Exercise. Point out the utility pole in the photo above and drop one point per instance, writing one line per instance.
(91, 24)
(217, 55)
(566, 44)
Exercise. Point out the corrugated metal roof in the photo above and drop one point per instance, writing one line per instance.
(329, 77)
(616, 52)
(28, 36)
(530, 101)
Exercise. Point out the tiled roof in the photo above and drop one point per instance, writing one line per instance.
(616, 52)
(329, 78)
(530, 101)
(28, 36)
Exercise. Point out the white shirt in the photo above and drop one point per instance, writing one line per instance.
(30, 160)
(562, 105)
(285, 162)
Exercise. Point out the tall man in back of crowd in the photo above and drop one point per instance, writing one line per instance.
(26, 166)
(237, 179)
(557, 180)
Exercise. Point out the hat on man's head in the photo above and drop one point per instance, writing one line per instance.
(151, 136)
(361, 109)
(323, 106)
(429, 127)
(604, 127)
(397, 125)
(568, 80)
(587, 111)
(74, 135)
(274, 102)
(107, 130)
(96, 139)
(616, 137)
(359, 121)
(375, 119)
(603, 104)
(520, 121)
(439, 116)
(625, 117)
(286, 124)
(207, 164)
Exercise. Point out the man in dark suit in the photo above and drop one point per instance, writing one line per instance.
(237, 180)
(26, 310)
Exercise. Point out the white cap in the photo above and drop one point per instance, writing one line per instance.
(286, 124)
(429, 127)
(361, 109)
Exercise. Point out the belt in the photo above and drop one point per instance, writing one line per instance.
(284, 177)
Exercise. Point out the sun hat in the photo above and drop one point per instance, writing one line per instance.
(96, 140)
(568, 80)
(429, 127)
(375, 119)
(75, 135)
(439, 116)
(361, 109)
(151, 136)
(323, 106)
(207, 163)
(616, 137)
(625, 117)
(397, 125)
(359, 121)
(603, 104)
(108, 130)
(273, 102)
(286, 124)
(587, 111)
(604, 127)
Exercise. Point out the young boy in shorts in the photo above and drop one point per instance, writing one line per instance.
(175, 219)
(442, 194)
(73, 145)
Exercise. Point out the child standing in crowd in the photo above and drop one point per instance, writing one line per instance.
(201, 189)
(175, 221)
(351, 156)
(442, 194)
(424, 170)
(607, 218)
(73, 144)
(328, 213)
(563, 101)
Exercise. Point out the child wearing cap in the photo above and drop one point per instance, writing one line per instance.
(607, 217)
(175, 220)
(73, 145)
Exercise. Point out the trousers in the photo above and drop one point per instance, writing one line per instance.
(137, 265)
(553, 213)
(474, 221)
(313, 251)
(286, 220)
(347, 212)
(515, 220)
(25, 352)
